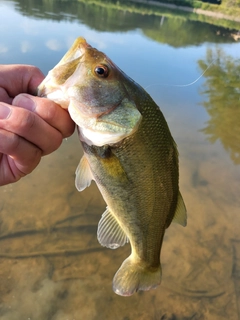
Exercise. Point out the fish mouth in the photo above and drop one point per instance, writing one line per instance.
(76, 51)
(52, 87)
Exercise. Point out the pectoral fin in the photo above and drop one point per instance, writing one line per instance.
(109, 233)
(83, 175)
(181, 212)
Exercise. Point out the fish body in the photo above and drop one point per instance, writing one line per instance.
(129, 152)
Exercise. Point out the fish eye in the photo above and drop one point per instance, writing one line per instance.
(102, 71)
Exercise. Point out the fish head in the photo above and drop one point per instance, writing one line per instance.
(93, 89)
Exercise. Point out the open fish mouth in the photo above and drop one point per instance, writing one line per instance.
(53, 86)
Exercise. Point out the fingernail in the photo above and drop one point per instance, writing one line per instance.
(4, 111)
(24, 101)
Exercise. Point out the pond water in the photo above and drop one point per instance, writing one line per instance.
(51, 265)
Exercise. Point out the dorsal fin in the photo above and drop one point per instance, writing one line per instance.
(109, 233)
(83, 175)
(180, 215)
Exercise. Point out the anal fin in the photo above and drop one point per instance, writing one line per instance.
(109, 233)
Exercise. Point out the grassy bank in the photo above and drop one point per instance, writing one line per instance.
(226, 7)
(190, 12)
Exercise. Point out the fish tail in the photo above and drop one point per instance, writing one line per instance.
(132, 277)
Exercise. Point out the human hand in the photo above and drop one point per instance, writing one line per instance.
(30, 126)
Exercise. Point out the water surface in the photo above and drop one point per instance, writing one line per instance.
(51, 265)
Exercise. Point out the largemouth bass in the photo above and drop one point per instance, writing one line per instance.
(128, 151)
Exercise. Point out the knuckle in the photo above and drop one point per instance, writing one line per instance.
(55, 116)
(14, 143)
(32, 71)
(54, 143)
(52, 110)
(34, 159)
(4, 97)
(31, 158)
(69, 131)
(47, 109)
(28, 121)
(60, 119)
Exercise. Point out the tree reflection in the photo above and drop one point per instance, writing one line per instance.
(222, 86)
(120, 16)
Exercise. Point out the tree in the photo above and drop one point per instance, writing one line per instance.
(222, 87)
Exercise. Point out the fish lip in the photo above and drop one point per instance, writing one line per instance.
(76, 53)
(77, 50)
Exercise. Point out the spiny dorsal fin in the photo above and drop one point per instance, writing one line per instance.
(83, 175)
(180, 215)
(109, 233)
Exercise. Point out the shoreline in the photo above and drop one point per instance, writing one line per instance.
(215, 15)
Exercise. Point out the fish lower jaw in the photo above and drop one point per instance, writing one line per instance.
(56, 95)
(99, 139)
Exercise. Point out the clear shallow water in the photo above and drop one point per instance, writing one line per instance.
(51, 265)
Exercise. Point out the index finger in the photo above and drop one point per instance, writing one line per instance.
(18, 78)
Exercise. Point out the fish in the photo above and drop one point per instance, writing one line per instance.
(130, 154)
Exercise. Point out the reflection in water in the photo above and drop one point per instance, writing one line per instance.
(181, 33)
(222, 87)
(174, 31)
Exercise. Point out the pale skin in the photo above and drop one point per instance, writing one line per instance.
(30, 126)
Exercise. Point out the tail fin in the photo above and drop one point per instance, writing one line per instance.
(132, 276)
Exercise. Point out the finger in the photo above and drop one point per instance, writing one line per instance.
(4, 96)
(19, 157)
(31, 127)
(15, 79)
(49, 111)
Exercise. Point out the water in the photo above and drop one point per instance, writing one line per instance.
(51, 265)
